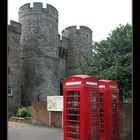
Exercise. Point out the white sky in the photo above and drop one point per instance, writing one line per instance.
(101, 16)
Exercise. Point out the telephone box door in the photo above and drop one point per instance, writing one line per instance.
(72, 115)
(115, 114)
(93, 118)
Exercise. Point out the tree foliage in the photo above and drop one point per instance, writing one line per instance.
(112, 59)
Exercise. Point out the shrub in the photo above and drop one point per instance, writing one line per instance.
(24, 112)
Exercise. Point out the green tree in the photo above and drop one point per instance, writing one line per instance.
(112, 59)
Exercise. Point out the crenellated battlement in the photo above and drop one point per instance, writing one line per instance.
(73, 29)
(69, 30)
(85, 29)
(14, 26)
(37, 8)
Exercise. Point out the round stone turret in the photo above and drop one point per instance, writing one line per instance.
(39, 42)
(80, 41)
(39, 29)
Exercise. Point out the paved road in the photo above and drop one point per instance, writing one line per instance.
(20, 131)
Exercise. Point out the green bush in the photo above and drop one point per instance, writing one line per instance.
(24, 112)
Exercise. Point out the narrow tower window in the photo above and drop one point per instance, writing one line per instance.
(61, 87)
(10, 93)
(8, 70)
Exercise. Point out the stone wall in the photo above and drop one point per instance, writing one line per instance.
(14, 66)
(40, 115)
(126, 121)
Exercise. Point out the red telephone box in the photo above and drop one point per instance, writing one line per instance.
(81, 108)
(109, 110)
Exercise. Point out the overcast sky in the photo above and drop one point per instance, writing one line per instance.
(101, 16)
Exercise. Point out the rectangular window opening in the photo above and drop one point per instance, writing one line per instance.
(10, 91)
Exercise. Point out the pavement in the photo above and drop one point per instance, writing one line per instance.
(21, 131)
(125, 135)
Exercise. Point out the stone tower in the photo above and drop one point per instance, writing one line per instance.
(39, 59)
(14, 67)
(39, 42)
(80, 41)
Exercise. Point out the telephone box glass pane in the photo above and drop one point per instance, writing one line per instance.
(93, 120)
(102, 112)
(114, 112)
(73, 114)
